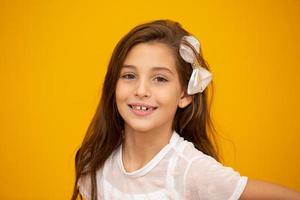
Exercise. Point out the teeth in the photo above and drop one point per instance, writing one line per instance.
(140, 108)
(144, 108)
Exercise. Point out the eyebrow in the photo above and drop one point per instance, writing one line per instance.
(153, 68)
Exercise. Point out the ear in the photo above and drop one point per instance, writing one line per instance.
(185, 100)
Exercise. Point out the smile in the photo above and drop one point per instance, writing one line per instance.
(142, 110)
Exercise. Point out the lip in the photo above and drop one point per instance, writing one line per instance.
(140, 112)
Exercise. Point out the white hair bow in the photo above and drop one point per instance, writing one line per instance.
(200, 77)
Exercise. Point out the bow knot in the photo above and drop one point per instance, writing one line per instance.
(200, 77)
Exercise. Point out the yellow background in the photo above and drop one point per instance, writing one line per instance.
(53, 58)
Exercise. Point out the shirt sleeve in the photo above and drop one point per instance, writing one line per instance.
(207, 179)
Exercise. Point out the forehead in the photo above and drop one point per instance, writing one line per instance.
(151, 56)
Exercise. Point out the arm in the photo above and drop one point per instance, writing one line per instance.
(256, 189)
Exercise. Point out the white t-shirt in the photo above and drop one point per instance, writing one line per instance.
(179, 171)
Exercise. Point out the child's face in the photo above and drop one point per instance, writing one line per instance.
(149, 76)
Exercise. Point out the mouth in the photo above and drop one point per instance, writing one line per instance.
(142, 108)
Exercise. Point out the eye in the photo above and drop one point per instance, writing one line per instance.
(161, 79)
(128, 76)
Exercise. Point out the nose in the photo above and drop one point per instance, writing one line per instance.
(142, 88)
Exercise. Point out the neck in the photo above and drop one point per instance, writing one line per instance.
(140, 147)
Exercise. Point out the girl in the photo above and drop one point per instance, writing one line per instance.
(152, 136)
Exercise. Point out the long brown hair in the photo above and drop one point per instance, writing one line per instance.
(103, 135)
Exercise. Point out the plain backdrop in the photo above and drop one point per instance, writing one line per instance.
(54, 55)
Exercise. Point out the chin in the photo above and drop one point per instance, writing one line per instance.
(144, 128)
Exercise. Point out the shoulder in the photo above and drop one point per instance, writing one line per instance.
(85, 183)
(186, 150)
(206, 178)
(84, 186)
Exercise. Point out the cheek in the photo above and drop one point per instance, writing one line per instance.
(168, 98)
(119, 92)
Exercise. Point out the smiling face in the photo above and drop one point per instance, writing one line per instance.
(148, 90)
